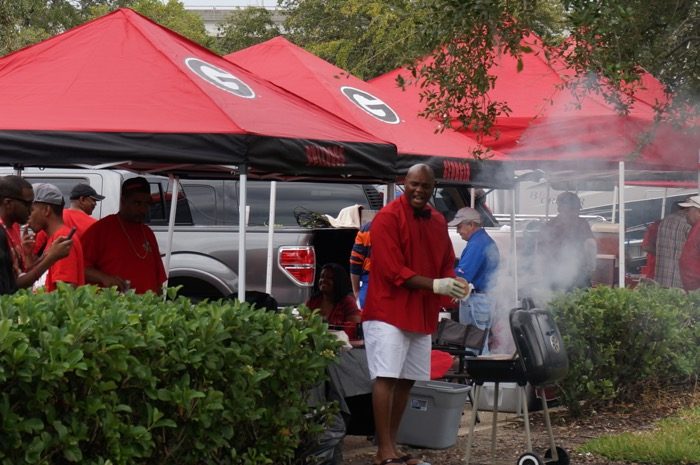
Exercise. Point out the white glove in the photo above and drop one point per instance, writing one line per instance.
(450, 287)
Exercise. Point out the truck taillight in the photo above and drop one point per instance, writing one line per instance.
(298, 263)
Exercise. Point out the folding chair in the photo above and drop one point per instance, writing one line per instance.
(460, 341)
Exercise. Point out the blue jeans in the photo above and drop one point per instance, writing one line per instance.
(477, 311)
(362, 295)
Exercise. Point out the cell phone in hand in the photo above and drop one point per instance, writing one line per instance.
(70, 234)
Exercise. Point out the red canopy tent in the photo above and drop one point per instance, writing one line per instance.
(123, 91)
(372, 110)
(549, 123)
(122, 88)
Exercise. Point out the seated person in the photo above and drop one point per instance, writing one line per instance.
(335, 299)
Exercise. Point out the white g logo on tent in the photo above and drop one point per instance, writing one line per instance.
(220, 78)
(371, 105)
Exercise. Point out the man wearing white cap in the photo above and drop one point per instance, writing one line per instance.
(477, 264)
(689, 262)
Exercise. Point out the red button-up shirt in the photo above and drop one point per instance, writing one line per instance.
(404, 246)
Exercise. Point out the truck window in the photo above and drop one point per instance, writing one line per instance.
(159, 213)
(325, 198)
(203, 203)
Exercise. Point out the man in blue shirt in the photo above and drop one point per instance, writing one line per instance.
(477, 265)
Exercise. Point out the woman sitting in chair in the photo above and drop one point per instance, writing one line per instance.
(335, 299)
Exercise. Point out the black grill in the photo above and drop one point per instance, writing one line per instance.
(540, 360)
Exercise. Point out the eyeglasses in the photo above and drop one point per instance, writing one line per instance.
(26, 203)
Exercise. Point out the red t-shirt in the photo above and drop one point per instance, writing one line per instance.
(78, 218)
(14, 241)
(341, 313)
(689, 262)
(70, 269)
(124, 249)
(404, 246)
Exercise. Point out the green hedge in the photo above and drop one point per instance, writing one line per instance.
(620, 341)
(97, 377)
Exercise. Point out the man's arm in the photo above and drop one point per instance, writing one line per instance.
(355, 281)
(60, 248)
(95, 276)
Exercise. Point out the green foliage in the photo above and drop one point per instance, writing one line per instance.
(673, 441)
(25, 22)
(613, 39)
(172, 14)
(244, 28)
(620, 341)
(97, 377)
(364, 37)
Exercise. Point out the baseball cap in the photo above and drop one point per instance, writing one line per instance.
(465, 214)
(692, 202)
(137, 184)
(85, 190)
(47, 193)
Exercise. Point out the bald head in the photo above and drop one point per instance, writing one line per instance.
(419, 185)
(421, 168)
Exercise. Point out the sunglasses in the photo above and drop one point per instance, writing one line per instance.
(26, 203)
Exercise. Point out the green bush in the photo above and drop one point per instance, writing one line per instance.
(620, 341)
(97, 377)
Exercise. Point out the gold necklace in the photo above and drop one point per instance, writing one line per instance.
(131, 244)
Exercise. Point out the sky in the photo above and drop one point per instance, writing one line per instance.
(219, 3)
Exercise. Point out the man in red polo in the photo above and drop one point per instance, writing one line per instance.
(412, 269)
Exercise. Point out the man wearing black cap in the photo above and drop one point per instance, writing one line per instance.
(567, 247)
(83, 199)
(120, 250)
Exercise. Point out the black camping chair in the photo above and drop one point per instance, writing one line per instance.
(461, 341)
(540, 360)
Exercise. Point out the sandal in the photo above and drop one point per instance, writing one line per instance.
(408, 459)
(390, 461)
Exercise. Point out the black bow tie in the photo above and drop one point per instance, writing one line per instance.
(425, 214)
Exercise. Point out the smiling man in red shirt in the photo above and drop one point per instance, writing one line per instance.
(412, 271)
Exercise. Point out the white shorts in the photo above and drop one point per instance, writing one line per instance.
(393, 353)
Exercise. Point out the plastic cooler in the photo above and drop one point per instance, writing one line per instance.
(432, 415)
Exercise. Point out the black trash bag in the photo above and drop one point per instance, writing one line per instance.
(327, 447)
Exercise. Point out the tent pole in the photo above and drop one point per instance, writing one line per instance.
(514, 248)
(663, 203)
(621, 234)
(242, 203)
(472, 200)
(390, 192)
(270, 235)
(171, 228)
